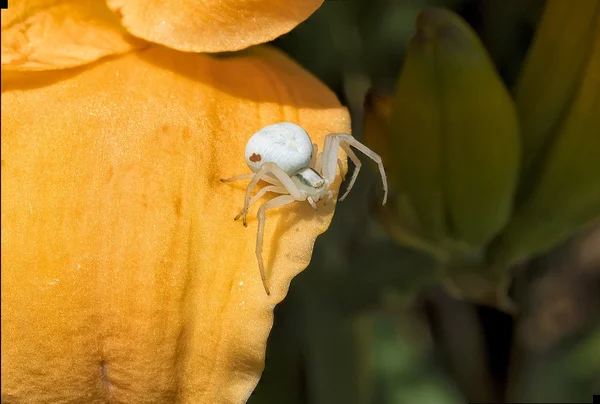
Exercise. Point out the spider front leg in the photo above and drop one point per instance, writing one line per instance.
(284, 179)
(330, 151)
(275, 187)
(317, 165)
(315, 155)
(273, 203)
(259, 194)
(247, 177)
(357, 165)
(317, 159)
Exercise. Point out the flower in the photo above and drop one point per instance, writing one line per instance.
(50, 34)
(124, 277)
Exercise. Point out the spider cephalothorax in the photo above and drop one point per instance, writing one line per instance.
(283, 155)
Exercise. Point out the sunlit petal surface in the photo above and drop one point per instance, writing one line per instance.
(51, 34)
(212, 25)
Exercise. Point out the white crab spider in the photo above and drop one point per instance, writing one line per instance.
(283, 155)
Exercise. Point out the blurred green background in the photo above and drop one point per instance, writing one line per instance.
(368, 321)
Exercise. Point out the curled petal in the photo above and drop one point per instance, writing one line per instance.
(212, 25)
(124, 276)
(46, 35)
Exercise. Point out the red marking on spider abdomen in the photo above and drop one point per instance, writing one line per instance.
(255, 158)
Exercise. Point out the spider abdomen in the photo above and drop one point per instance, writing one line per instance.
(285, 144)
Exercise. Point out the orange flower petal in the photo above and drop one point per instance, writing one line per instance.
(50, 34)
(212, 25)
(124, 276)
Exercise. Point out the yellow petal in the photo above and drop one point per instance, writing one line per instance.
(51, 34)
(124, 276)
(212, 25)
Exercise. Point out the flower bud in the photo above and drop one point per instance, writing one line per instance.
(453, 139)
(563, 194)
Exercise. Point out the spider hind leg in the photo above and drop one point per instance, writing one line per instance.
(273, 203)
